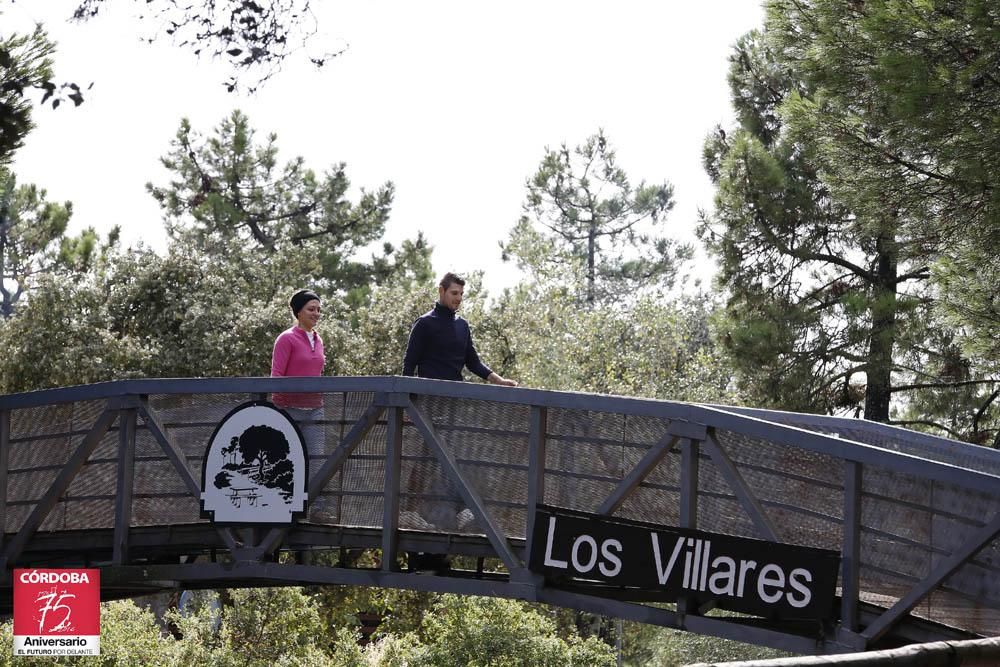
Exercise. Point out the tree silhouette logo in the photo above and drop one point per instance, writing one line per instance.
(255, 467)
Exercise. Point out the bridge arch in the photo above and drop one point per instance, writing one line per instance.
(109, 475)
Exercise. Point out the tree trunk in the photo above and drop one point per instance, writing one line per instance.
(883, 334)
(591, 252)
(7, 303)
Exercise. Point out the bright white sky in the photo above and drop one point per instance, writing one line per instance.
(452, 101)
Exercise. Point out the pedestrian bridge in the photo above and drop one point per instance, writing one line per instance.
(109, 475)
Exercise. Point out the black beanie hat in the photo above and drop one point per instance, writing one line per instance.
(300, 299)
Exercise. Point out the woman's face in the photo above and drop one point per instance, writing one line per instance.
(308, 316)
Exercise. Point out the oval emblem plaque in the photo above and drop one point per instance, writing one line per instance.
(255, 467)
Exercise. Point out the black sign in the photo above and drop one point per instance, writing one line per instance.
(753, 576)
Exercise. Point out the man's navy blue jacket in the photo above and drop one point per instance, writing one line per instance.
(440, 344)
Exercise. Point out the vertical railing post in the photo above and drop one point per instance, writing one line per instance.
(689, 501)
(689, 483)
(851, 547)
(4, 464)
(126, 477)
(390, 506)
(536, 472)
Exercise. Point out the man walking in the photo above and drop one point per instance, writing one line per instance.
(440, 342)
(440, 345)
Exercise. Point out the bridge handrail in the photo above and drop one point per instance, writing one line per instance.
(745, 421)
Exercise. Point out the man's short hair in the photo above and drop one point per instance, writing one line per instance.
(450, 279)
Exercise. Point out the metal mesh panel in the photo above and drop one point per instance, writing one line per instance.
(29, 485)
(191, 409)
(427, 496)
(588, 445)
(489, 442)
(723, 514)
(42, 441)
(970, 598)
(909, 526)
(55, 420)
(16, 516)
(42, 451)
(657, 500)
(165, 510)
(89, 500)
(95, 479)
(890, 437)
(888, 556)
(790, 461)
(340, 412)
(961, 612)
(357, 489)
(653, 505)
(895, 531)
(801, 491)
(90, 513)
(160, 494)
(146, 446)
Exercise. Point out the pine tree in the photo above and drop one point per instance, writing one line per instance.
(594, 229)
(830, 305)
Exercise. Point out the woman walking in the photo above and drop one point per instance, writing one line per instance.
(298, 352)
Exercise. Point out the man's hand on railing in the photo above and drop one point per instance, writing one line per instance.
(500, 380)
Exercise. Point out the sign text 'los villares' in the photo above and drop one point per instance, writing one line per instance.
(740, 574)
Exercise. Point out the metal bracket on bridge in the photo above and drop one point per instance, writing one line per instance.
(391, 399)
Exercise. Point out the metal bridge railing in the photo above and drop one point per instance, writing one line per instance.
(110, 474)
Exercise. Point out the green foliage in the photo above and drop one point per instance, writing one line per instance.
(228, 194)
(673, 648)
(465, 630)
(910, 122)
(647, 347)
(829, 303)
(130, 637)
(273, 626)
(33, 240)
(406, 266)
(968, 277)
(25, 63)
(381, 330)
(596, 228)
(26, 67)
(401, 611)
(77, 346)
(143, 315)
(199, 317)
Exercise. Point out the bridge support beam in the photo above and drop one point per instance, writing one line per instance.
(126, 477)
(850, 555)
(635, 476)
(536, 469)
(739, 486)
(945, 569)
(689, 502)
(4, 465)
(390, 500)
